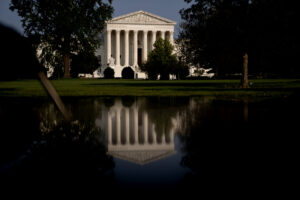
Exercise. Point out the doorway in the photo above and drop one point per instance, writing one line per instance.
(139, 56)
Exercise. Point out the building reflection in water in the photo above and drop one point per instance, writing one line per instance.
(131, 135)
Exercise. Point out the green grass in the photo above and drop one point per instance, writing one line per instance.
(97, 87)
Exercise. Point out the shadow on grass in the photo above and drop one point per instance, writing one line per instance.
(173, 84)
(7, 91)
(236, 89)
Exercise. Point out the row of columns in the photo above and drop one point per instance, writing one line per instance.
(135, 127)
(135, 45)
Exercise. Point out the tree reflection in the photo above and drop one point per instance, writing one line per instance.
(19, 125)
(235, 143)
(65, 154)
(214, 143)
(161, 111)
(109, 101)
(128, 101)
(68, 152)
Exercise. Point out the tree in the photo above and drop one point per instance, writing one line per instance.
(18, 58)
(244, 81)
(276, 37)
(216, 33)
(63, 27)
(160, 60)
(180, 70)
(227, 34)
(84, 62)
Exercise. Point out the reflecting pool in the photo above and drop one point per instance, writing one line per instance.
(160, 143)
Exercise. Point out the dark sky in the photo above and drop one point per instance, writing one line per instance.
(164, 8)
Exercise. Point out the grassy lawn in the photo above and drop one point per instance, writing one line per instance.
(97, 87)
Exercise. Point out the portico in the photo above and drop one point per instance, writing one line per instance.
(129, 38)
(131, 135)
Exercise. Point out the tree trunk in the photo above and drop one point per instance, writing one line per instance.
(67, 65)
(246, 110)
(244, 81)
(164, 76)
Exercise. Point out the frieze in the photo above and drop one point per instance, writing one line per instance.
(140, 27)
(141, 17)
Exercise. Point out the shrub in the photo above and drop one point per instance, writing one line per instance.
(160, 60)
(127, 73)
(109, 73)
(181, 70)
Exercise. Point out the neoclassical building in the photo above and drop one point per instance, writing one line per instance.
(129, 38)
(131, 135)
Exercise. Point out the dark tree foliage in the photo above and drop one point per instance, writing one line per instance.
(161, 111)
(109, 73)
(276, 37)
(84, 62)
(18, 58)
(180, 70)
(128, 101)
(60, 28)
(215, 33)
(160, 60)
(218, 33)
(127, 73)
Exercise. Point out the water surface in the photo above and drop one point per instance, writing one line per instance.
(166, 144)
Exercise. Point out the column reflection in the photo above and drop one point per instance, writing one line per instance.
(132, 135)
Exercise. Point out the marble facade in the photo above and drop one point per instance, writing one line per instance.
(129, 38)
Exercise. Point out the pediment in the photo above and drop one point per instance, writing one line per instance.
(140, 17)
(141, 157)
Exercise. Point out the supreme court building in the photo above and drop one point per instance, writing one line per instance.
(129, 38)
(131, 135)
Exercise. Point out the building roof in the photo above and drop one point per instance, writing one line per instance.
(141, 17)
(142, 157)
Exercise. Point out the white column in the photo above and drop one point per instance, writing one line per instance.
(136, 126)
(172, 37)
(145, 46)
(117, 47)
(163, 35)
(145, 127)
(108, 44)
(153, 133)
(163, 138)
(118, 116)
(127, 125)
(126, 48)
(172, 136)
(109, 128)
(135, 46)
(153, 39)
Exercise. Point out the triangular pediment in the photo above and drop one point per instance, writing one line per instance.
(140, 17)
(142, 157)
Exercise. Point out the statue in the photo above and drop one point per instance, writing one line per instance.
(111, 62)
